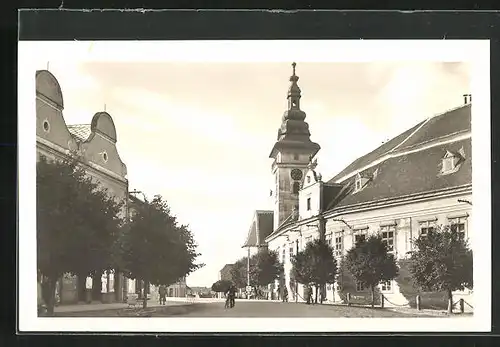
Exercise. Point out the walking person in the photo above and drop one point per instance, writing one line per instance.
(285, 294)
(162, 290)
(309, 294)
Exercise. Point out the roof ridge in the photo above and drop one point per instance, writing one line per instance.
(409, 136)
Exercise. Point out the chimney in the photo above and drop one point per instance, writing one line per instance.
(467, 98)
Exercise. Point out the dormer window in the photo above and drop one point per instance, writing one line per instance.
(451, 162)
(359, 182)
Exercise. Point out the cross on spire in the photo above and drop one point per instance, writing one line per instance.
(104, 107)
(48, 63)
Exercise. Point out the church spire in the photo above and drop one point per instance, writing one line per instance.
(294, 130)
(294, 91)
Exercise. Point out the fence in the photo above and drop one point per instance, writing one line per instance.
(383, 299)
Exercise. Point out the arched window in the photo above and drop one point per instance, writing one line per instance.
(295, 187)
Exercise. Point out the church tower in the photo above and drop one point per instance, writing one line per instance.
(292, 153)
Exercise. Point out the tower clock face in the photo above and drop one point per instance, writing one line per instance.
(296, 174)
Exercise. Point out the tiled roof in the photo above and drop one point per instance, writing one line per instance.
(80, 131)
(413, 173)
(375, 154)
(261, 227)
(450, 122)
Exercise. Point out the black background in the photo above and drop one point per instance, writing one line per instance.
(233, 24)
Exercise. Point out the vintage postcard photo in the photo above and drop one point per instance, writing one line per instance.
(278, 186)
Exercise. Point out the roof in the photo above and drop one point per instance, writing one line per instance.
(449, 123)
(375, 154)
(80, 131)
(261, 227)
(413, 173)
(226, 267)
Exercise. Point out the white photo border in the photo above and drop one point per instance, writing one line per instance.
(476, 52)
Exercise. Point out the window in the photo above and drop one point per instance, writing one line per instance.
(339, 245)
(105, 156)
(308, 179)
(328, 239)
(290, 248)
(295, 156)
(387, 232)
(448, 164)
(309, 204)
(386, 286)
(358, 185)
(295, 187)
(359, 287)
(426, 227)
(451, 160)
(359, 237)
(458, 225)
(283, 253)
(46, 126)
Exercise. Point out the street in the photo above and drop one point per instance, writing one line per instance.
(252, 309)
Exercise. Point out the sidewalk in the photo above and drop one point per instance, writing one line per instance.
(98, 306)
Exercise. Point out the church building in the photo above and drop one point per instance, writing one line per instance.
(413, 183)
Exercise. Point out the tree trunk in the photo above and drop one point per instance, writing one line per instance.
(51, 294)
(373, 295)
(450, 301)
(316, 296)
(145, 295)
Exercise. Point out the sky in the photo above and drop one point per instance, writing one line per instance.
(200, 133)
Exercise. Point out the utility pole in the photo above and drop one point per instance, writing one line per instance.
(248, 266)
(296, 283)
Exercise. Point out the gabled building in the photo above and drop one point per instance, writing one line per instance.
(414, 182)
(225, 273)
(95, 144)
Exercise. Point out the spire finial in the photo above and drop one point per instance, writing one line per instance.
(104, 107)
(48, 63)
(294, 64)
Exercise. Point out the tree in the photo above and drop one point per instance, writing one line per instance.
(370, 263)
(239, 273)
(315, 265)
(265, 267)
(442, 261)
(221, 286)
(78, 223)
(155, 248)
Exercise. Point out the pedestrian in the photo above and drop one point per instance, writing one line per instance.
(230, 295)
(41, 302)
(162, 290)
(285, 294)
(309, 294)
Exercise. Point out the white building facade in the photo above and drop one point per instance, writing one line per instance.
(420, 179)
